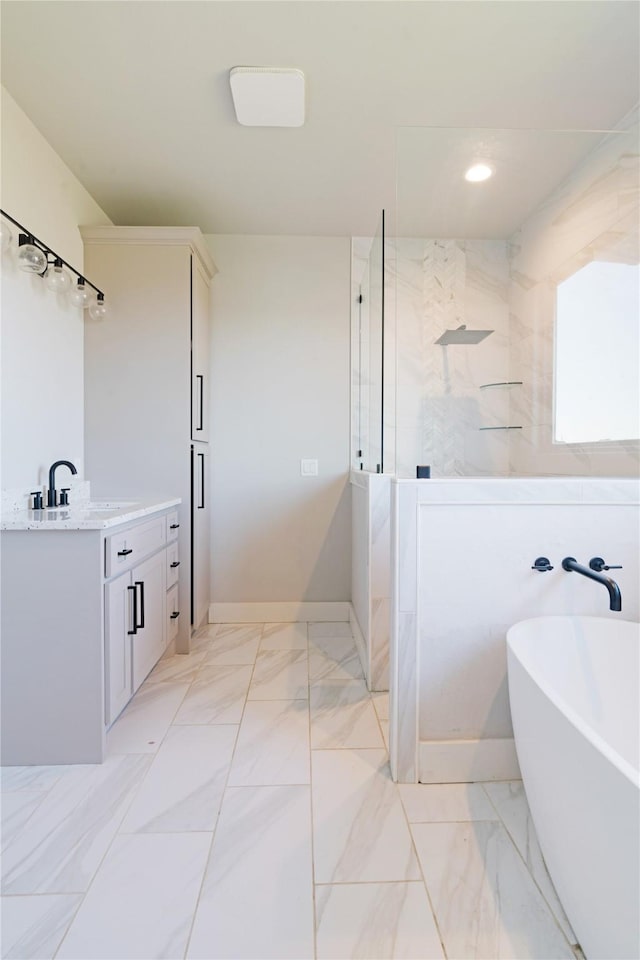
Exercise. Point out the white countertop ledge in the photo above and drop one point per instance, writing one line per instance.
(92, 515)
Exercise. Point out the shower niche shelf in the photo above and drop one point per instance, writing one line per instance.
(501, 428)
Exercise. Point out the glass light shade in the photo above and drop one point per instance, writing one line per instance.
(58, 279)
(5, 235)
(480, 171)
(30, 258)
(99, 309)
(80, 296)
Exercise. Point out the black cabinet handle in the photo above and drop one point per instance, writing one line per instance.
(175, 615)
(135, 611)
(200, 377)
(140, 583)
(173, 526)
(176, 563)
(125, 553)
(201, 504)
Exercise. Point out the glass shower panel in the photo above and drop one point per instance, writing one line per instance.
(477, 265)
(367, 351)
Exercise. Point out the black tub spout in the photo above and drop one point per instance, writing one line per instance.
(615, 598)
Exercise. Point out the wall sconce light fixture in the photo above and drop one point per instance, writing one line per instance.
(34, 256)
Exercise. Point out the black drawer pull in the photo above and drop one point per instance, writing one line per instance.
(125, 553)
(140, 583)
(173, 526)
(176, 563)
(175, 615)
(135, 611)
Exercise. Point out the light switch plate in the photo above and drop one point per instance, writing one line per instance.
(309, 468)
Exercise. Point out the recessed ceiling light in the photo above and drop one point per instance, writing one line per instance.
(268, 96)
(479, 171)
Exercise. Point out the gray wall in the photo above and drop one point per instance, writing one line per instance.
(280, 393)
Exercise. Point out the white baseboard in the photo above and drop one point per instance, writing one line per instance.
(360, 642)
(467, 761)
(284, 612)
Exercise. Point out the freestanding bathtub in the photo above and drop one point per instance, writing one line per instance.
(573, 686)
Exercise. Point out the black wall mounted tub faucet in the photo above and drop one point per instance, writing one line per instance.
(51, 492)
(615, 599)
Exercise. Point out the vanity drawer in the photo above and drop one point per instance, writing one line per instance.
(172, 610)
(173, 525)
(173, 564)
(123, 550)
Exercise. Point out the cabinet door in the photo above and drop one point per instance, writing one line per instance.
(201, 539)
(200, 347)
(149, 579)
(118, 625)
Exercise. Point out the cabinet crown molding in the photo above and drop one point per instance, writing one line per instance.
(169, 236)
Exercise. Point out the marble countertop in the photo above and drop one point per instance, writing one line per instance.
(87, 515)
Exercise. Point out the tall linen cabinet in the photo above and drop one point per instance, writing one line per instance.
(147, 386)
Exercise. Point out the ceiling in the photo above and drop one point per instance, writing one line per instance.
(134, 96)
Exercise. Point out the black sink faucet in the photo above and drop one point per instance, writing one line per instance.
(615, 599)
(51, 492)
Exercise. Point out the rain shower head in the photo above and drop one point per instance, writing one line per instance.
(462, 335)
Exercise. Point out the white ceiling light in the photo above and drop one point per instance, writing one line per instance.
(268, 96)
(479, 171)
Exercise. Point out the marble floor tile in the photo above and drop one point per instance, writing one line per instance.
(179, 668)
(135, 908)
(257, 896)
(445, 802)
(375, 921)
(384, 727)
(342, 715)
(32, 927)
(15, 810)
(216, 696)
(485, 902)
(510, 801)
(143, 723)
(381, 704)
(334, 658)
(273, 744)
(72, 828)
(30, 778)
(360, 831)
(339, 629)
(284, 636)
(234, 643)
(183, 788)
(280, 675)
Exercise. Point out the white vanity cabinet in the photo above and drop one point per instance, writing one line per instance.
(87, 611)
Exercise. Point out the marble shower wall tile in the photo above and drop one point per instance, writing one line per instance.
(257, 896)
(273, 744)
(134, 907)
(510, 801)
(32, 927)
(183, 788)
(485, 902)
(375, 921)
(360, 831)
(72, 828)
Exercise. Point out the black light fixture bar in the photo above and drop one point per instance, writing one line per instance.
(49, 252)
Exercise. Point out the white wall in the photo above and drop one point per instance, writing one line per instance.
(280, 393)
(463, 551)
(42, 337)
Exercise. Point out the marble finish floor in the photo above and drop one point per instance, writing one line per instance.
(246, 810)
